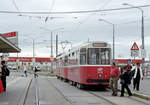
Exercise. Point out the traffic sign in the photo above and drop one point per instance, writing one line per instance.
(143, 53)
(134, 50)
(134, 46)
(134, 53)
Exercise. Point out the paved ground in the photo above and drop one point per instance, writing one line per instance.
(144, 87)
(51, 91)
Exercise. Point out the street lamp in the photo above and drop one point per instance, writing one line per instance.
(142, 28)
(51, 44)
(113, 36)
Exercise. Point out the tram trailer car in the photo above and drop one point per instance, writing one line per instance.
(61, 71)
(89, 64)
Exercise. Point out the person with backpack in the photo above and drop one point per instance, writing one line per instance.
(35, 72)
(4, 73)
(125, 80)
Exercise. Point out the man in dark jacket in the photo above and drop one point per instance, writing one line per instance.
(128, 66)
(3, 74)
(125, 81)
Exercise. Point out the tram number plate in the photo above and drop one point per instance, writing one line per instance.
(99, 70)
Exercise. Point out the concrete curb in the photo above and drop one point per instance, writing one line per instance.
(139, 95)
(143, 96)
(23, 97)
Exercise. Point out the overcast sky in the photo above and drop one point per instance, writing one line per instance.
(78, 28)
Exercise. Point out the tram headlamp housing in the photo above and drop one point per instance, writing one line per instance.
(99, 75)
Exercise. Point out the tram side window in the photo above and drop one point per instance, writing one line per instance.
(61, 62)
(66, 61)
(83, 56)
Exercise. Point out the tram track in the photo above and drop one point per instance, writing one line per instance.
(101, 97)
(37, 92)
(27, 91)
(70, 103)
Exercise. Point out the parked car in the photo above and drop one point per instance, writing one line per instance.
(12, 67)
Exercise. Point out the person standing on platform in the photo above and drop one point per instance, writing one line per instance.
(115, 73)
(125, 81)
(128, 66)
(138, 75)
(25, 69)
(4, 73)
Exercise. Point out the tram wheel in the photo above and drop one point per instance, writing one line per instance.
(80, 86)
(70, 82)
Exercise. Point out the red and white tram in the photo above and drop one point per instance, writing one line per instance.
(88, 64)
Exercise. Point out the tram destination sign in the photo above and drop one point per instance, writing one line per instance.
(99, 44)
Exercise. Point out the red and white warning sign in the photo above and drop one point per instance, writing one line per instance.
(134, 46)
(134, 50)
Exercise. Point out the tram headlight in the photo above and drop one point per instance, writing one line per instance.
(99, 75)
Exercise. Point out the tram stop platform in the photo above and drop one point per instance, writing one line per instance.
(144, 91)
(31, 91)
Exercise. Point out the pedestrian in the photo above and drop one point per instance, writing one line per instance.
(35, 72)
(128, 66)
(114, 73)
(138, 75)
(125, 81)
(4, 73)
(25, 69)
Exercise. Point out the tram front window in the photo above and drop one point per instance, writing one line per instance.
(97, 56)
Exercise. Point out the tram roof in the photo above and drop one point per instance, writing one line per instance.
(84, 45)
(88, 44)
(7, 47)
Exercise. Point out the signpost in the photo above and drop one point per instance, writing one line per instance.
(52, 60)
(134, 50)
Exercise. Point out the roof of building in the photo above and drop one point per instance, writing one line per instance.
(7, 47)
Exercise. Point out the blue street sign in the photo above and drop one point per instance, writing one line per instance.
(41, 63)
(129, 60)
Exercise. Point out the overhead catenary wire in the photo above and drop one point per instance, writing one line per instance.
(73, 12)
(50, 10)
(14, 3)
(90, 15)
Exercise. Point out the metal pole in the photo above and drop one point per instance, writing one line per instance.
(51, 52)
(113, 36)
(17, 63)
(56, 45)
(142, 30)
(113, 42)
(143, 46)
(33, 60)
